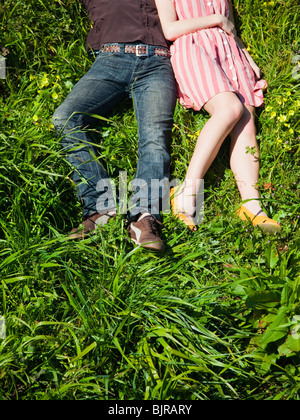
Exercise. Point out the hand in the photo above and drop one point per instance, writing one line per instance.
(250, 60)
(227, 25)
(255, 67)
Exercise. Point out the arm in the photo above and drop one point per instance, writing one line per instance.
(252, 63)
(174, 28)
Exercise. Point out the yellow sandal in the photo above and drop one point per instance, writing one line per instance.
(188, 221)
(265, 223)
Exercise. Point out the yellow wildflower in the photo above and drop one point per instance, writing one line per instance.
(282, 118)
(44, 81)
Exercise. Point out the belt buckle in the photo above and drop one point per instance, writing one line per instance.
(139, 54)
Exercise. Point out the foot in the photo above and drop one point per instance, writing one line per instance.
(144, 232)
(260, 219)
(178, 212)
(90, 225)
(254, 207)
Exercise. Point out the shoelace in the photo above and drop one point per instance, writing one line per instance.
(153, 223)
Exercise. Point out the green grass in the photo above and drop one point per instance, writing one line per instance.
(215, 317)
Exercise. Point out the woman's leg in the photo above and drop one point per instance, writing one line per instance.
(244, 160)
(226, 110)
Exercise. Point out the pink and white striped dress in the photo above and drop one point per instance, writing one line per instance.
(209, 61)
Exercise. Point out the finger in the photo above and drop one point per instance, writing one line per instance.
(258, 72)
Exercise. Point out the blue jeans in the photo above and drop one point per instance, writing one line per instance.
(113, 76)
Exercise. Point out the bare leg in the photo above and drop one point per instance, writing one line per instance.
(244, 160)
(226, 110)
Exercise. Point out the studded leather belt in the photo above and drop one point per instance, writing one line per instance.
(140, 50)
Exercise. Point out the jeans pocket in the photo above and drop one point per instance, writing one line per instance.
(108, 53)
(163, 59)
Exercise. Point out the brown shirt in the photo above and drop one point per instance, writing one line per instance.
(123, 21)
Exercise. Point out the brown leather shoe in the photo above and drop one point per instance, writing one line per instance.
(144, 232)
(90, 224)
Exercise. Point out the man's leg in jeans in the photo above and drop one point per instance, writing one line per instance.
(154, 94)
(96, 93)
